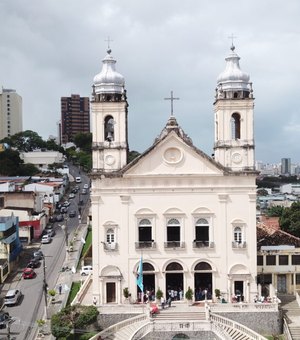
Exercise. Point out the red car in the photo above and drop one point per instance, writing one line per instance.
(28, 273)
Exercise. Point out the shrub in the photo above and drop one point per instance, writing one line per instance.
(189, 294)
(159, 294)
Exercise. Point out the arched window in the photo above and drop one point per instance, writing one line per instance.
(237, 234)
(109, 130)
(145, 230)
(147, 267)
(202, 233)
(174, 266)
(235, 126)
(110, 236)
(203, 266)
(173, 230)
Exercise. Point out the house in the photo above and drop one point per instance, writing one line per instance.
(174, 217)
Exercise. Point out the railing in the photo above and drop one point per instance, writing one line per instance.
(239, 245)
(83, 290)
(297, 298)
(244, 307)
(203, 244)
(230, 324)
(114, 328)
(142, 331)
(174, 244)
(145, 244)
(110, 246)
(286, 330)
(220, 332)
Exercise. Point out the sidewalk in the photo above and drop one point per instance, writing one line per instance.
(64, 279)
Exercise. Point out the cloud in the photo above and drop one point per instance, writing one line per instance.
(54, 48)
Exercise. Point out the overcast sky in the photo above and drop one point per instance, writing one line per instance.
(54, 48)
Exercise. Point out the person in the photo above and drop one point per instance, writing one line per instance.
(59, 289)
(94, 300)
(169, 301)
(162, 302)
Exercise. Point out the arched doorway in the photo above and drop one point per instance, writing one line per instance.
(174, 281)
(203, 281)
(148, 282)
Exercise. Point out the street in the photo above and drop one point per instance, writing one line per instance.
(32, 304)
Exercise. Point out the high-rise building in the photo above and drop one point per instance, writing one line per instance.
(285, 166)
(174, 217)
(10, 113)
(75, 116)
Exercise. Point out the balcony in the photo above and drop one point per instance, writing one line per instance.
(239, 245)
(203, 244)
(174, 244)
(145, 245)
(110, 246)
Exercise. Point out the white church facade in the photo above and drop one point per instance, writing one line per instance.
(189, 216)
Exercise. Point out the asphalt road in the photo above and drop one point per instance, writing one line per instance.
(32, 305)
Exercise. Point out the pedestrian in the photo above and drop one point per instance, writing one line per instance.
(59, 288)
(94, 300)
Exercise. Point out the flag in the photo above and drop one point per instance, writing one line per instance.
(139, 279)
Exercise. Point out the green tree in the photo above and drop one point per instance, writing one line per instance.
(132, 155)
(26, 141)
(275, 211)
(83, 141)
(262, 192)
(290, 219)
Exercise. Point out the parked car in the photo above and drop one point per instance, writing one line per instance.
(46, 239)
(86, 270)
(66, 203)
(28, 273)
(4, 318)
(78, 179)
(52, 219)
(83, 191)
(33, 263)
(72, 213)
(12, 297)
(74, 191)
(86, 186)
(38, 255)
(49, 226)
(60, 218)
(50, 232)
(71, 195)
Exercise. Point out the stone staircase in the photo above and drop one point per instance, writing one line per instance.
(291, 311)
(170, 315)
(127, 332)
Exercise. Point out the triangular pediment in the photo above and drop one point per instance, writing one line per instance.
(173, 156)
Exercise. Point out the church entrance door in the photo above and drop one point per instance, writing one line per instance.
(110, 292)
(203, 282)
(174, 286)
(149, 285)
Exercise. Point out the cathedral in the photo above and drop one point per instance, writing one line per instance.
(176, 216)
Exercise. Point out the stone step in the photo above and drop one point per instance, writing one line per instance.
(180, 316)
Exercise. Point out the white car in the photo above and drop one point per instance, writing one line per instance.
(46, 239)
(86, 186)
(86, 270)
(12, 297)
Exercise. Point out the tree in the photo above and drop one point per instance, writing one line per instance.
(10, 162)
(275, 211)
(83, 141)
(26, 141)
(262, 192)
(290, 219)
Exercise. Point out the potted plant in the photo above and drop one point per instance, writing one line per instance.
(126, 294)
(52, 293)
(189, 294)
(71, 246)
(159, 294)
(218, 293)
(40, 323)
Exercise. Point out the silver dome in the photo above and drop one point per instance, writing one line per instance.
(109, 80)
(233, 78)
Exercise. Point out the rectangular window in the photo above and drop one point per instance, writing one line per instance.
(145, 234)
(295, 260)
(297, 279)
(260, 260)
(271, 260)
(283, 260)
(173, 233)
(202, 233)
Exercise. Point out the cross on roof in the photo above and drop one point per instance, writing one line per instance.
(232, 37)
(108, 41)
(171, 99)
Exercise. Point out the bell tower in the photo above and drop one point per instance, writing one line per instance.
(233, 107)
(109, 118)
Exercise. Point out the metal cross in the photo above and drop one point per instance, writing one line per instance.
(232, 37)
(172, 99)
(108, 41)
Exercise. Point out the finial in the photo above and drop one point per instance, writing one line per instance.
(232, 46)
(171, 99)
